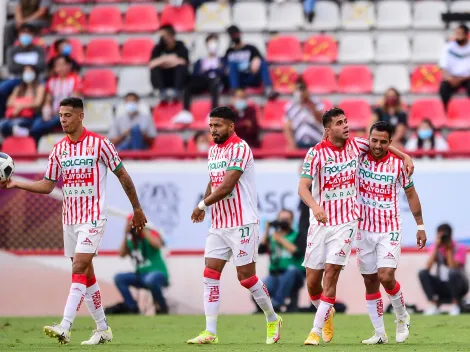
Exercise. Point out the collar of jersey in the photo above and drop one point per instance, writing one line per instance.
(384, 158)
(332, 146)
(230, 140)
(82, 137)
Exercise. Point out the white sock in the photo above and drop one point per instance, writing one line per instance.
(323, 312)
(261, 295)
(315, 300)
(211, 298)
(375, 307)
(75, 299)
(93, 302)
(398, 302)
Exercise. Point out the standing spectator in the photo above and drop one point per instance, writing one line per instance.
(455, 65)
(132, 130)
(303, 126)
(201, 142)
(62, 47)
(246, 66)
(309, 10)
(427, 138)
(450, 284)
(246, 123)
(169, 65)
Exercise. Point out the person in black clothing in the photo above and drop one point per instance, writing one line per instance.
(169, 64)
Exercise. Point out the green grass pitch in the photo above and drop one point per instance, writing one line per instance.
(236, 333)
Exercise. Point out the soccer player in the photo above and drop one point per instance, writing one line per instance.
(82, 158)
(381, 176)
(231, 193)
(331, 168)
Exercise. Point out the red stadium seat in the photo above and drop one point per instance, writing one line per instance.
(274, 141)
(273, 118)
(427, 108)
(200, 110)
(358, 113)
(321, 49)
(99, 83)
(69, 20)
(163, 115)
(181, 18)
(70, 2)
(106, 1)
(19, 145)
(105, 20)
(169, 143)
(458, 113)
(284, 78)
(284, 49)
(458, 141)
(426, 79)
(77, 50)
(141, 18)
(320, 79)
(327, 104)
(137, 51)
(102, 52)
(355, 79)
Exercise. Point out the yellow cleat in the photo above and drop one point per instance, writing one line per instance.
(312, 339)
(204, 338)
(328, 329)
(274, 331)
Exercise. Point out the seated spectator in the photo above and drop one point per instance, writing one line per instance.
(450, 283)
(201, 141)
(169, 65)
(132, 130)
(426, 138)
(309, 10)
(246, 123)
(303, 126)
(455, 65)
(246, 66)
(390, 110)
(23, 105)
(62, 47)
(286, 274)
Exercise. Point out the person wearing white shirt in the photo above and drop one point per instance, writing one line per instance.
(426, 138)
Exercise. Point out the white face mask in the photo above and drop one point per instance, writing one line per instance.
(29, 76)
(213, 46)
(131, 107)
(203, 147)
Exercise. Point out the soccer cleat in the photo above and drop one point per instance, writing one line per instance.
(403, 328)
(377, 339)
(274, 331)
(99, 337)
(328, 330)
(454, 310)
(204, 338)
(56, 331)
(312, 339)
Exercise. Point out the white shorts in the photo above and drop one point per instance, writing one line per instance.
(83, 238)
(241, 243)
(329, 245)
(377, 250)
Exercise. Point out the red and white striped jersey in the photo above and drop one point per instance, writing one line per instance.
(333, 171)
(380, 182)
(83, 166)
(241, 206)
(60, 88)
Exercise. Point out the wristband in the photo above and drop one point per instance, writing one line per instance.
(202, 206)
(421, 228)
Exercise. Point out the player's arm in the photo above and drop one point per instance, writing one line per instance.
(306, 196)
(415, 207)
(43, 186)
(228, 184)
(409, 166)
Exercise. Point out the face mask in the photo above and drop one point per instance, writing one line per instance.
(391, 100)
(203, 147)
(461, 42)
(425, 134)
(26, 39)
(240, 104)
(213, 46)
(131, 107)
(66, 50)
(29, 76)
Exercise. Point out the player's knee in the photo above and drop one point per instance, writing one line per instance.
(370, 280)
(387, 277)
(79, 267)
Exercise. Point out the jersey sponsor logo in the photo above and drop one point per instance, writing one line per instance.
(214, 294)
(78, 191)
(84, 177)
(351, 152)
(347, 241)
(375, 191)
(336, 181)
(389, 256)
(240, 145)
(245, 240)
(93, 231)
(384, 178)
(78, 161)
(217, 165)
(394, 244)
(242, 254)
(338, 194)
(376, 204)
(330, 160)
(64, 153)
(352, 164)
(341, 254)
(236, 160)
(87, 242)
(307, 166)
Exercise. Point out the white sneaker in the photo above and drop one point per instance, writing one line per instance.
(58, 332)
(377, 339)
(99, 337)
(403, 328)
(455, 310)
(432, 310)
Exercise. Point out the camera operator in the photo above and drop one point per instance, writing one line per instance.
(286, 274)
(450, 284)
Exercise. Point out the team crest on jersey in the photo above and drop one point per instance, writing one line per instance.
(366, 163)
(89, 150)
(240, 145)
(330, 160)
(64, 153)
(389, 168)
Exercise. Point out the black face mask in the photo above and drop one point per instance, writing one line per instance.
(236, 40)
(461, 42)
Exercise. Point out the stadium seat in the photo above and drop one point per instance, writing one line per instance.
(19, 145)
(427, 14)
(255, 39)
(284, 49)
(358, 15)
(327, 104)
(358, 113)
(275, 141)
(355, 79)
(70, 2)
(213, 17)
(458, 141)
(181, 18)
(387, 76)
(46, 143)
(77, 50)
(427, 47)
(392, 48)
(284, 78)
(285, 16)
(200, 110)
(141, 18)
(320, 79)
(326, 17)
(460, 6)
(426, 79)
(105, 20)
(169, 143)
(250, 16)
(349, 51)
(102, 52)
(273, 117)
(163, 115)
(320, 49)
(137, 51)
(430, 108)
(191, 145)
(69, 20)
(393, 14)
(98, 115)
(458, 113)
(99, 83)
(134, 79)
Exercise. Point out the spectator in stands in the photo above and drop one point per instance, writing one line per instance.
(450, 284)
(169, 65)
(132, 130)
(455, 65)
(246, 66)
(427, 138)
(24, 105)
(309, 10)
(63, 47)
(201, 141)
(303, 126)
(246, 123)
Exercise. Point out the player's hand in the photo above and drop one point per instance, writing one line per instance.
(409, 166)
(198, 215)
(320, 214)
(421, 239)
(7, 184)
(139, 220)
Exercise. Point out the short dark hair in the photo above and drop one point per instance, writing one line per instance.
(383, 126)
(67, 59)
(233, 30)
(132, 94)
(445, 228)
(212, 36)
(329, 114)
(27, 27)
(73, 102)
(59, 42)
(301, 83)
(287, 211)
(463, 27)
(199, 134)
(223, 112)
(169, 28)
